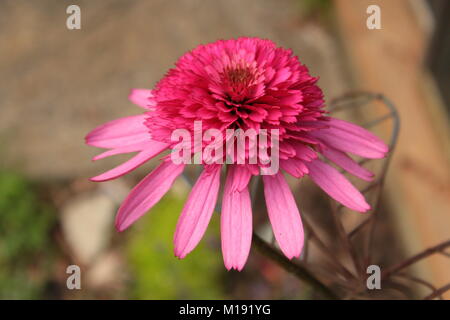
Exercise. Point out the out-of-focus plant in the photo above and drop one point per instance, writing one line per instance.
(333, 279)
(315, 8)
(25, 246)
(156, 276)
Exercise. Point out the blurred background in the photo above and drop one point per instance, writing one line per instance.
(58, 84)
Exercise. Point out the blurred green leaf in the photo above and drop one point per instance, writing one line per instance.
(315, 7)
(24, 238)
(158, 273)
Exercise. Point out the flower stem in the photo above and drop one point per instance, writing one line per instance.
(292, 267)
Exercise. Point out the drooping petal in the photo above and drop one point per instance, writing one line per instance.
(236, 218)
(120, 132)
(284, 215)
(131, 164)
(131, 148)
(295, 167)
(337, 186)
(358, 131)
(142, 98)
(147, 193)
(197, 211)
(348, 137)
(304, 152)
(347, 163)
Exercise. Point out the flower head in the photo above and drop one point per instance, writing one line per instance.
(239, 84)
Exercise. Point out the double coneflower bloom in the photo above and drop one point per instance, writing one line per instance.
(245, 83)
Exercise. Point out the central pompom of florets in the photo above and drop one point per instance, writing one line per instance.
(244, 83)
(237, 80)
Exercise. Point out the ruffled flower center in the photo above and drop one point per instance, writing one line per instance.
(236, 81)
(246, 83)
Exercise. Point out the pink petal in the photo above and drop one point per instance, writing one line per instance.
(131, 164)
(337, 186)
(295, 167)
(130, 148)
(196, 214)
(142, 98)
(357, 131)
(284, 215)
(347, 163)
(348, 137)
(147, 193)
(120, 132)
(236, 218)
(304, 152)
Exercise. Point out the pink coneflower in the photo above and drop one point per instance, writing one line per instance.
(247, 83)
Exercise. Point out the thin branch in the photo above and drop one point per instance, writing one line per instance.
(292, 267)
(305, 253)
(392, 145)
(345, 240)
(327, 253)
(360, 226)
(438, 292)
(396, 268)
(419, 281)
(375, 122)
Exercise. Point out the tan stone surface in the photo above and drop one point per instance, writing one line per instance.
(57, 84)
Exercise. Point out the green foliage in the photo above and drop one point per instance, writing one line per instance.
(24, 238)
(158, 274)
(315, 7)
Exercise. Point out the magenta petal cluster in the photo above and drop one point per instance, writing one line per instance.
(245, 83)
